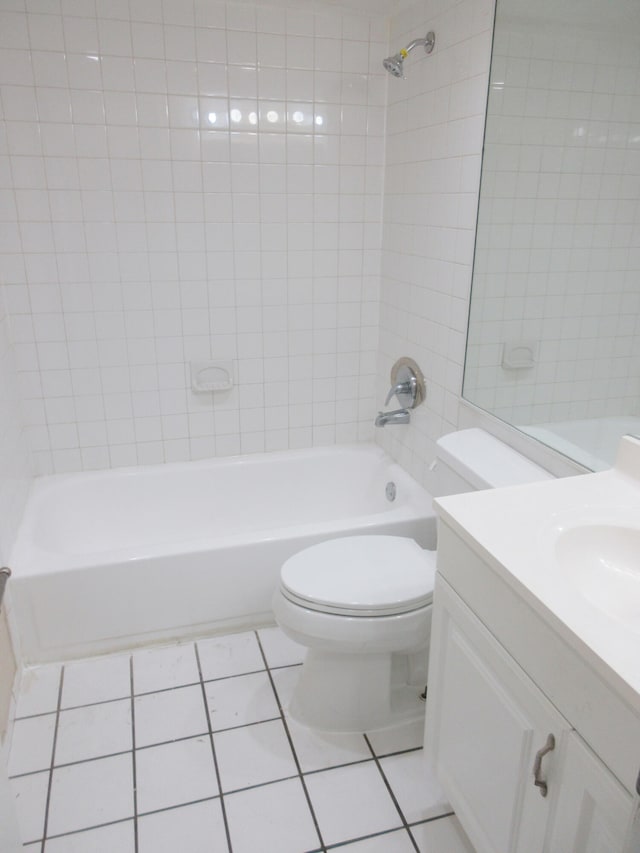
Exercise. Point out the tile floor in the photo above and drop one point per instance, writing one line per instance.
(190, 748)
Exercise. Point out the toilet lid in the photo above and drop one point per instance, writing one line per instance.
(361, 576)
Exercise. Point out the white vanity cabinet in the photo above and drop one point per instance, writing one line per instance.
(487, 720)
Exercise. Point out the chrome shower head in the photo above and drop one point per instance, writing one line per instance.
(395, 64)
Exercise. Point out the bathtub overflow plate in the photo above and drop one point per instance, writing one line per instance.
(390, 491)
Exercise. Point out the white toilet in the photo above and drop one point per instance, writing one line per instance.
(362, 604)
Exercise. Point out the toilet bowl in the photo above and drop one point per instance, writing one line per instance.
(362, 604)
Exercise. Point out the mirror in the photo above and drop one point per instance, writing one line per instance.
(554, 332)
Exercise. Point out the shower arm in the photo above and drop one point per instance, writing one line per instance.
(425, 42)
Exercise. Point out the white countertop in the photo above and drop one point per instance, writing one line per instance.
(515, 530)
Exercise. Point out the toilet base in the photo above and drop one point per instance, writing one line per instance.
(340, 692)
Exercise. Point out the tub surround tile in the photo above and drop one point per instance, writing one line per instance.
(39, 690)
(91, 793)
(32, 745)
(253, 755)
(351, 802)
(161, 669)
(93, 731)
(118, 837)
(98, 680)
(278, 649)
(230, 655)
(170, 715)
(196, 828)
(175, 774)
(241, 700)
(415, 786)
(281, 821)
(260, 756)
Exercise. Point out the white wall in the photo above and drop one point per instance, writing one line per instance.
(181, 182)
(434, 143)
(557, 261)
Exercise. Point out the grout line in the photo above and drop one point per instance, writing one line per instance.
(384, 832)
(53, 755)
(89, 828)
(392, 795)
(431, 819)
(293, 751)
(213, 750)
(133, 758)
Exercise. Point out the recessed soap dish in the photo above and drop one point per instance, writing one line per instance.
(208, 376)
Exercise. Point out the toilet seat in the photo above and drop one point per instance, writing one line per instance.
(361, 576)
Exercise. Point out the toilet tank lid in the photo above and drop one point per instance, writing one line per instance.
(486, 462)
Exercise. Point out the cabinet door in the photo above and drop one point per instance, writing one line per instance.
(485, 722)
(592, 809)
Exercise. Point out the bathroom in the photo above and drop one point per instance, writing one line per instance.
(241, 184)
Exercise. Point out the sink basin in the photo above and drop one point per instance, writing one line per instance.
(602, 561)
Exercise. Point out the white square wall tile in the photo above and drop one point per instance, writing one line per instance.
(350, 802)
(39, 688)
(237, 701)
(91, 793)
(93, 731)
(104, 839)
(197, 828)
(32, 744)
(169, 715)
(230, 655)
(159, 669)
(415, 786)
(96, 681)
(174, 774)
(252, 755)
(281, 821)
(279, 650)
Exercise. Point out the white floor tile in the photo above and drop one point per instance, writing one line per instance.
(415, 786)
(397, 738)
(198, 828)
(170, 715)
(39, 687)
(118, 837)
(32, 744)
(160, 669)
(93, 731)
(31, 803)
(285, 680)
(96, 680)
(279, 650)
(350, 802)
(321, 750)
(390, 842)
(241, 700)
(229, 655)
(271, 819)
(91, 793)
(174, 774)
(253, 754)
(437, 836)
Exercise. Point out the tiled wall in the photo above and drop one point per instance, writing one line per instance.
(557, 263)
(435, 127)
(180, 182)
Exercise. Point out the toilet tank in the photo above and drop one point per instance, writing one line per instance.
(472, 459)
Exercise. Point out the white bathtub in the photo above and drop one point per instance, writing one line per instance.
(593, 442)
(112, 559)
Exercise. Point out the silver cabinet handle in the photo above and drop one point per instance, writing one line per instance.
(537, 765)
(5, 574)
